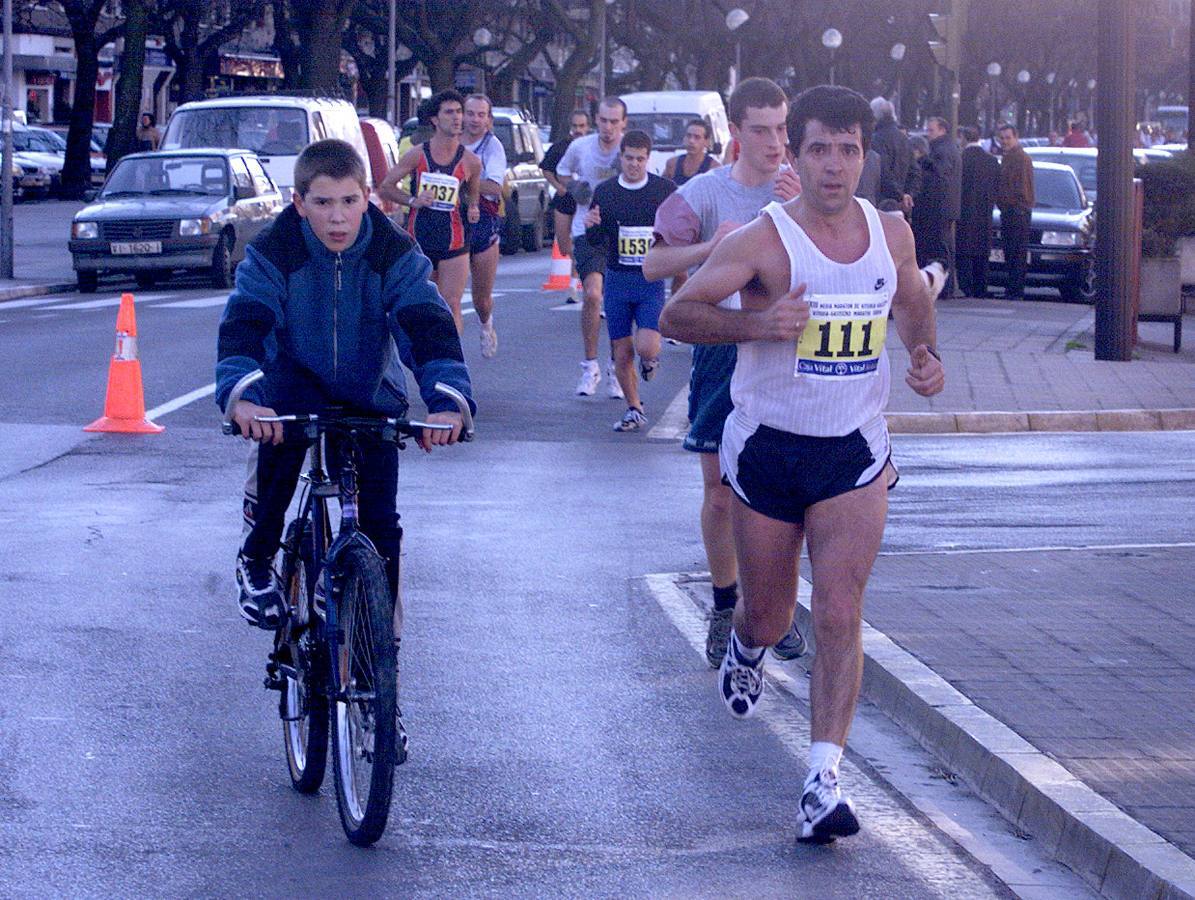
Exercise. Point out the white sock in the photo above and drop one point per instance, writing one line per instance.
(590, 364)
(488, 324)
(751, 654)
(823, 756)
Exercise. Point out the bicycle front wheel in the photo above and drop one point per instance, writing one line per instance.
(364, 718)
(304, 703)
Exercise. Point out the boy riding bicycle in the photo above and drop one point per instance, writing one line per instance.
(324, 296)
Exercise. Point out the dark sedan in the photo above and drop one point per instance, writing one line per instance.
(176, 209)
(1061, 236)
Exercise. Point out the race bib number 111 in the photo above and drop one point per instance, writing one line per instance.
(844, 337)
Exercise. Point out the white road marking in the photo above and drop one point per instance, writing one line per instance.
(1078, 548)
(107, 301)
(674, 424)
(179, 402)
(567, 307)
(195, 302)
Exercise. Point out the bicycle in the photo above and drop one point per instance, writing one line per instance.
(340, 608)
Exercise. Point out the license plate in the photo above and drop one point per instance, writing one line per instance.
(125, 248)
(997, 256)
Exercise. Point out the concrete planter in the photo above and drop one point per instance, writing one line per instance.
(1162, 293)
(1186, 253)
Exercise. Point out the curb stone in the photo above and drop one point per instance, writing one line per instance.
(1010, 422)
(1074, 825)
(16, 292)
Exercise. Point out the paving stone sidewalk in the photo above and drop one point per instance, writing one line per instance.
(1085, 654)
(1036, 355)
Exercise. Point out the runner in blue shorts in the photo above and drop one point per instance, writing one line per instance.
(619, 223)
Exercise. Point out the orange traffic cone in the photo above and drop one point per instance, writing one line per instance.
(560, 275)
(124, 405)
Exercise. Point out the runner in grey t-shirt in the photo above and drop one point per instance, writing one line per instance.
(689, 224)
(588, 162)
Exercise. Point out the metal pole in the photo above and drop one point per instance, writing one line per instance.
(738, 63)
(6, 242)
(1115, 249)
(391, 87)
(831, 65)
(602, 51)
(1191, 76)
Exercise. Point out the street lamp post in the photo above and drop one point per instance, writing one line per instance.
(736, 19)
(602, 16)
(832, 40)
(994, 71)
(1091, 105)
(898, 54)
(482, 39)
(1023, 77)
(391, 85)
(1050, 77)
(6, 241)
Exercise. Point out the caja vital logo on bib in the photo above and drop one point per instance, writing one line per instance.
(844, 337)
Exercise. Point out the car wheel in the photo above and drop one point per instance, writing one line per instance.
(145, 279)
(533, 234)
(1080, 287)
(512, 231)
(88, 281)
(221, 270)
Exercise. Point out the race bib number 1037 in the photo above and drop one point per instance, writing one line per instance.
(844, 337)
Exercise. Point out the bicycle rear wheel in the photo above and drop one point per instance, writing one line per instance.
(364, 717)
(303, 705)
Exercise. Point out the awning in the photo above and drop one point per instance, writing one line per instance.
(63, 65)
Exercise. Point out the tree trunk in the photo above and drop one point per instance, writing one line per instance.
(122, 139)
(76, 171)
(442, 72)
(189, 66)
(321, 45)
(284, 46)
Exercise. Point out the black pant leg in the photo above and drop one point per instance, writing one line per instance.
(1014, 229)
(377, 486)
(278, 469)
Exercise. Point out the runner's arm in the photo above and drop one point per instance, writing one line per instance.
(493, 170)
(473, 187)
(389, 188)
(678, 247)
(693, 315)
(913, 311)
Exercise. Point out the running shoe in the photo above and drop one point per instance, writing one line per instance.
(591, 376)
(791, 646)
(740, 681)
(489, 341)
(715, 642)
(648, 368)
(612, 384)
(824, 813)
(632, 420)
(261, 602)
(935, 279)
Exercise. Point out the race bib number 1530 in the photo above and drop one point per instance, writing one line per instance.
(844, 337)
(633, 243)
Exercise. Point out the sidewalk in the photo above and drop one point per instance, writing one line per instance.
(1036, 356)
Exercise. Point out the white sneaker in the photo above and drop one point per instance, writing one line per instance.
(591, 376)
(489, 340)
(632, 420)
(824, 813)
(613, 386)
(935, 279)
(740, 681)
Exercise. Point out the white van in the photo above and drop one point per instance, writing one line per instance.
(664, 116)
(276, 127)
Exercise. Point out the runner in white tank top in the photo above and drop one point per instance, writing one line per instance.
(806, 446)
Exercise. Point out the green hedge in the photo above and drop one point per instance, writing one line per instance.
(1169, 203)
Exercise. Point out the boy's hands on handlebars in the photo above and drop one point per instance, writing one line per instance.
(431, 438)
(245, 413)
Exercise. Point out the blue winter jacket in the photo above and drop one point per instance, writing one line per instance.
(320, 324)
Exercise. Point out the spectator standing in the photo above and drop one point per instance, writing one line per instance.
(148, 136)
(981, 174)
(1015, 197)
(1075, 136)
(869, 180)
(896, 157)
(939, 204)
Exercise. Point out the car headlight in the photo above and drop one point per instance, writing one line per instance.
(85, 230)
(1061, 238)
(192, 227)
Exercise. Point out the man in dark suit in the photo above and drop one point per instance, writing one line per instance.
(896, 157)
(981, 173)
(939, 204)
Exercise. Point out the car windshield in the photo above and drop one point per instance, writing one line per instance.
(1083, 166)
(505, 133)
(169, 175)
(268, 130)
(666, 130)
(34, 141)
(1056, 189)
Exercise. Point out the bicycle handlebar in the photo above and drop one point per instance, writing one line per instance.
(409, 427)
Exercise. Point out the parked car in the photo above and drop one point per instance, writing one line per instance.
(174, 209)
(665, 115)
(274, 126)
(28, 179)
(97, 149)
(382, 147)
(1084, 160)
(525, 190)
(1061, 236)
(46, 150)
